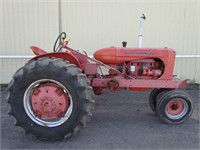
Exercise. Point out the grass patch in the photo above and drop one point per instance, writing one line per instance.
(193, 86)
(2, 86)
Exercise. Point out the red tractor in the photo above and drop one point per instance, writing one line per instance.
(52, 95)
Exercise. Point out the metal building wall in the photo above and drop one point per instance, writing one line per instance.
(101, 23)
(175, 24)
(25, 23)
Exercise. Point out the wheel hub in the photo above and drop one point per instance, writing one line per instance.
(175, 107)
(48, 105)
(49, 101)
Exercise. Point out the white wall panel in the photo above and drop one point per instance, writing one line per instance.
(94, 24)
(1, 39)
(170, 23)
(25, 23)
(188, 68)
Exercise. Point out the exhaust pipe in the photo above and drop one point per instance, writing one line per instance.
(139, 43)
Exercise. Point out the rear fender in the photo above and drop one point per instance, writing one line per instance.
(66, 56)
(38, 51)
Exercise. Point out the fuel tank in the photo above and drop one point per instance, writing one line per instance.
(115, 55)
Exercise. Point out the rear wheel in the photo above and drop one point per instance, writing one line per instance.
(50, 98)
(154, 97)
(48, 102)
(175, 107)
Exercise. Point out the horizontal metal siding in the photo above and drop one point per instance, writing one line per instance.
(188, 68)
(25, 23)
(92, 25)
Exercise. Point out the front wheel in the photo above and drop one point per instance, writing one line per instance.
(50, 98)
(175, 107)
(154, 97)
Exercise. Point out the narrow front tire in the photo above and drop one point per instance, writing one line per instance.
(175, 107)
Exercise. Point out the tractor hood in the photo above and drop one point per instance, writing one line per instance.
(114, 55)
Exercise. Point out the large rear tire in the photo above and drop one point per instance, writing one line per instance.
(50, 98)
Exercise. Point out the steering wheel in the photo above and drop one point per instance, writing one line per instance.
(58, 43)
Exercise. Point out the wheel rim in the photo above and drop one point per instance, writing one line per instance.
(48, 103)
(176, 109)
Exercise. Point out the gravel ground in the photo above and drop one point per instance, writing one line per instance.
(121, 120)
